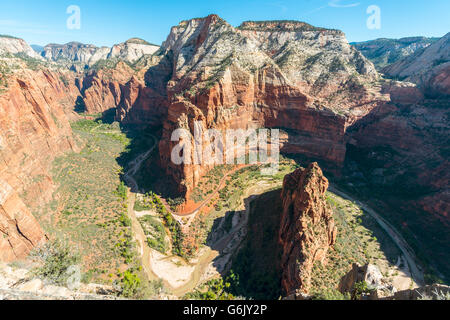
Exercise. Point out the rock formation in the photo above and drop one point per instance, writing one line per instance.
(307, 80)
(35, 106)
(102, 89)
(383, 52)
(88, 54)
(323, 94)
(429, 68)
(20, 284)
(12, 45)
(380, 288)
(371, 275)
(307, 229)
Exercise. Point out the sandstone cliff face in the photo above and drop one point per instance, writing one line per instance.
(124, 88)
(75, 52)
(19, 230)
(102, 89)
(12, 45)
(307, 229)
(88, 54)
(34, 128)
(428, 68)
(304, 79)
(406, 147)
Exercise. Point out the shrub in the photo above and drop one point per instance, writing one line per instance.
(126, 222)
(122, 191)
(175, 203)
(130, 284)
(360, 289)
(331, 294)
(217, 290)
(56, 258)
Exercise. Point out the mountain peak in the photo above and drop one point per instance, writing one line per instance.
(279, 25)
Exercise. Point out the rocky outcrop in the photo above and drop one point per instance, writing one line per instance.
(307, 229)
(20, 284)
(307, 80)
(124, 88)
(141, 105)
(429, 68)
(34, 128)
(12, 45)
(429, 292)
(379, 288)
(88, 54)
(383, 52)
(20, 232)
(102, 89)
(132, 50)
(371, 276)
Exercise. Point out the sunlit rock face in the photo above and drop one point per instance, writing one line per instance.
(88, 54)
(34, 128)
(307, 228)
(287, 75)
(429, 68)
(12, 46)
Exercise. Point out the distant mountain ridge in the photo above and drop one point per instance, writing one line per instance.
(13, 45)
(84, 55)
(383, 52)
(88, 54)
(429, 68)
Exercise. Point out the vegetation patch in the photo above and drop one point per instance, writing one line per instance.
(359, 240)
(155, 232)
(153, 201)
(91, 202)
(55, 258)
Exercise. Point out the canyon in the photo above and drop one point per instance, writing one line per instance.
(34, 129)
(328, 100)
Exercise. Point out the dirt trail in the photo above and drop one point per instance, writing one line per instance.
(209, 254)
(141, 238)
(135, 165)
(145, 250)
(408, 253)
(139, 235)
(208, 199)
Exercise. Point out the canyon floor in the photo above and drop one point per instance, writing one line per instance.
(228, 226)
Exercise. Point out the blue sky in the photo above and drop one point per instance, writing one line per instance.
(108, 22)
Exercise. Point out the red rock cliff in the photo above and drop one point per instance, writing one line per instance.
(307, 229)
(227, 78)
(34, 128)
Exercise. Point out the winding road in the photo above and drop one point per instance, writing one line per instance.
(408, 253)
(209, 255)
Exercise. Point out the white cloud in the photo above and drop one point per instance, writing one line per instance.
(338, 4)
